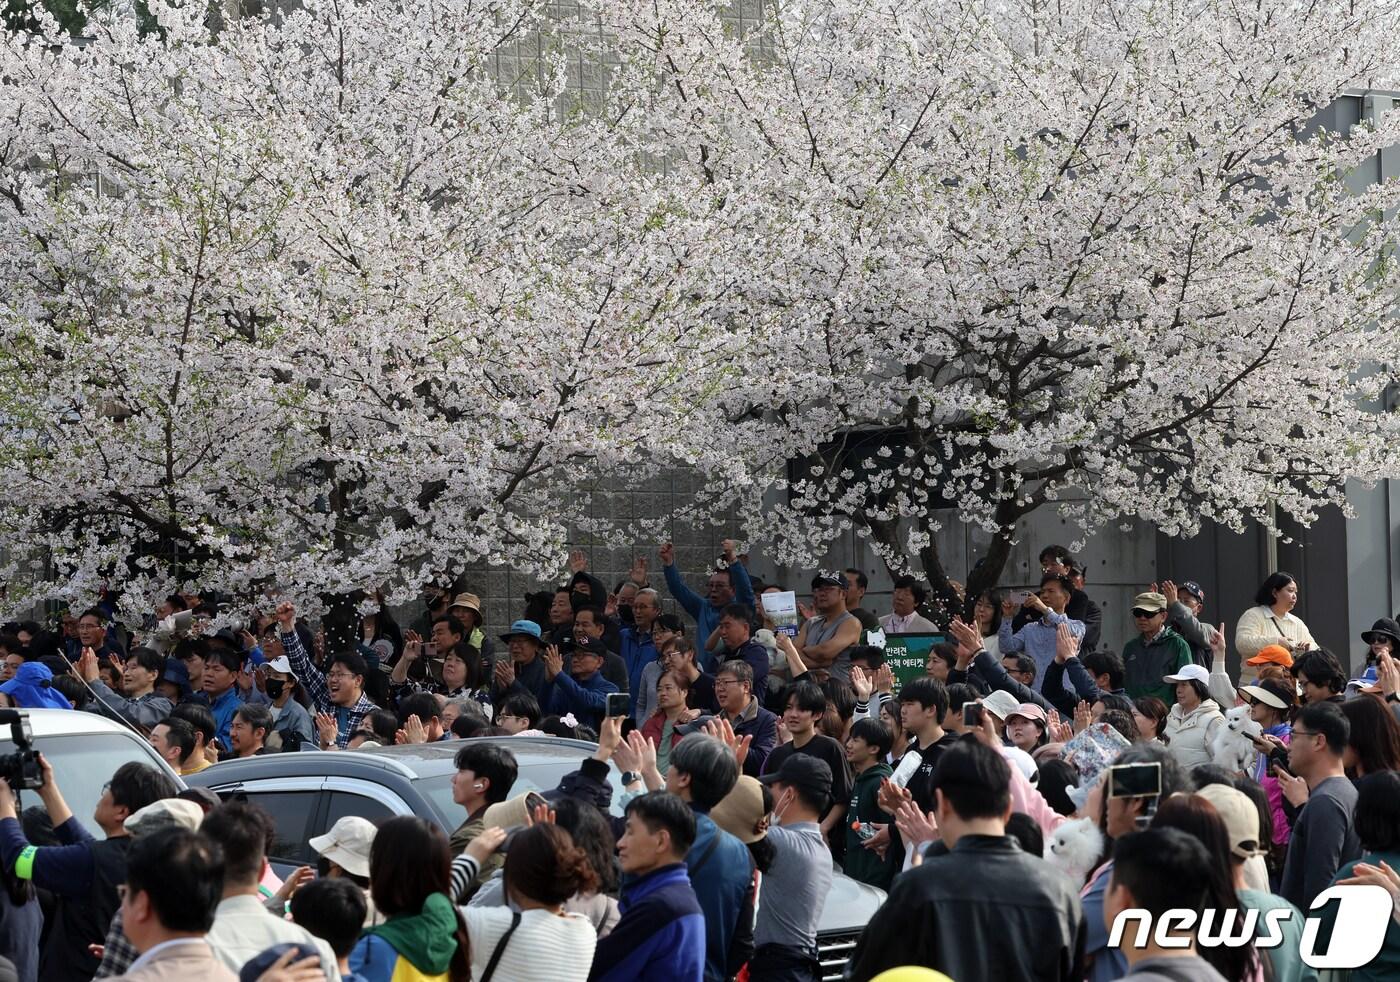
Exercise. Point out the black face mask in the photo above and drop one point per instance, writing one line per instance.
(275, 688)
(626, 615)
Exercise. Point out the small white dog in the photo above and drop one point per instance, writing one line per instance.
(1075, 848)
(1233, 748)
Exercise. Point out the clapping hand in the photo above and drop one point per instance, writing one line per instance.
(327, 728)
(412, 731)
(86, 668)
(553, 662)
(1066, 644)
(969, 639)
(861, 683)
(884, 679)
(721, 730)
(891, 796)
(914, 825)
(504, 672)
(1060, 731)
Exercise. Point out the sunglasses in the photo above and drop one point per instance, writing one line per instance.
(1141, 614)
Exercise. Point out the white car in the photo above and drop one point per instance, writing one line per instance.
(84, 750)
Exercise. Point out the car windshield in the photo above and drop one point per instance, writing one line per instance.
(82, 764)
(533, 776)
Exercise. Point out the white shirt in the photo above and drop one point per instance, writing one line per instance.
(243, 928)
(533, 952)
(151, 952)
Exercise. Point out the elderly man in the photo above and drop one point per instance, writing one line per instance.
(523, 671)
(734, 691)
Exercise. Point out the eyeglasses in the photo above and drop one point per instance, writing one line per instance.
(725, 683)
(340, 675)
(1303, 733)
(1141, 614)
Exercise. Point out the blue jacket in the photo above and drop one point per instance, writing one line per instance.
(638, 651)
(586, 699)
(706, 614)
(223, 709)
(721, 873)
(661, 935)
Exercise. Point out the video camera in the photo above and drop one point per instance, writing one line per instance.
(21, 768)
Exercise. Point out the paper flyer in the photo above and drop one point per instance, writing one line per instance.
(781, 609)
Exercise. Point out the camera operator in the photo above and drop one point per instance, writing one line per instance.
(83, 873)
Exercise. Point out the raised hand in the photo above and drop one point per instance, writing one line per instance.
(1217, 641)
(1066, 644)
(609, 737)
(286, 616)
(1388, 674)
(578, 561)
(1083, 716)
(968, 637)
(1008, 607)
(638, 574)
(668, 554)
(412, 645)
(884, 679)
(861, 683)
(891, 796)
(86, 668)
(1060, 731)
(610, 609)
(553, 662)
(729, 551)
(1169, 591)
(540, 815)
(721, 730)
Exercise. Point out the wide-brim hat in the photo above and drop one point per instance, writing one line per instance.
(1383, 629)
(1271, 692)
(1000, 704)
(468, 600)
(524, 629)
(347, 844)
(740, 812)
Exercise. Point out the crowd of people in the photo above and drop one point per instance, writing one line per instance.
(1014, 801)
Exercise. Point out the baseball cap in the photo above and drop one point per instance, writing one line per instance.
(167, 813)
(589, 646)
(741, 810)
(1189, 673)
(1272, 654)
(279, 664)
(254, 968)
(1193, 588)
(524, 629)
(1240, 816)
(1029, 710)
(1368, 679)
(1154, 602)
(347, 844)
(1000, 704)
(802, 771)
(1271, 692)
(828, 578)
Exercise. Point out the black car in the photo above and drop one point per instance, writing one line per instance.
(307, 792)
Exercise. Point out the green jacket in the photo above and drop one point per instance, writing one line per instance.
(864, 864)
(463, 836)
(1146, 664)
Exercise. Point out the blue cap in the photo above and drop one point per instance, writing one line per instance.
(1368, 678)
(32, 688)
(178, 672)
(527, 629)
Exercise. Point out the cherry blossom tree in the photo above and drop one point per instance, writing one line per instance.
(331, 300)
(1019, 252)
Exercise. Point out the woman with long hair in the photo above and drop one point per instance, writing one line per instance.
(1271, 621)
(409, 871)
(544, 871)
(1197, 817)
(1374, 743)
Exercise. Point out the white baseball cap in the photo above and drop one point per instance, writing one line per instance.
(1001, 703)
(347, 844)
(1189, 673)
(281, 664)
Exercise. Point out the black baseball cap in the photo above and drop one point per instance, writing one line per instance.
(1193, 588)
(826, 578)
(802, 771)
(589, 646)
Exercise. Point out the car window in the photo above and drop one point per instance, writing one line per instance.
(291, 812)
(82, 763)
(531, 777)
(345, 803)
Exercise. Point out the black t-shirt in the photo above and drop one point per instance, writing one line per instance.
(921, 782)
(702, 694)
(823, 748)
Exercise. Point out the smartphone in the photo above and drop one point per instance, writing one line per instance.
(533, 800)
(972, 715)
(618, 704)
(1135, 780)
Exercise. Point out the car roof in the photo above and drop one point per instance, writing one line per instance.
(406, 762)
(60, 722)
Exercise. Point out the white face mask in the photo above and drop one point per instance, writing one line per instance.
(780, 808)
